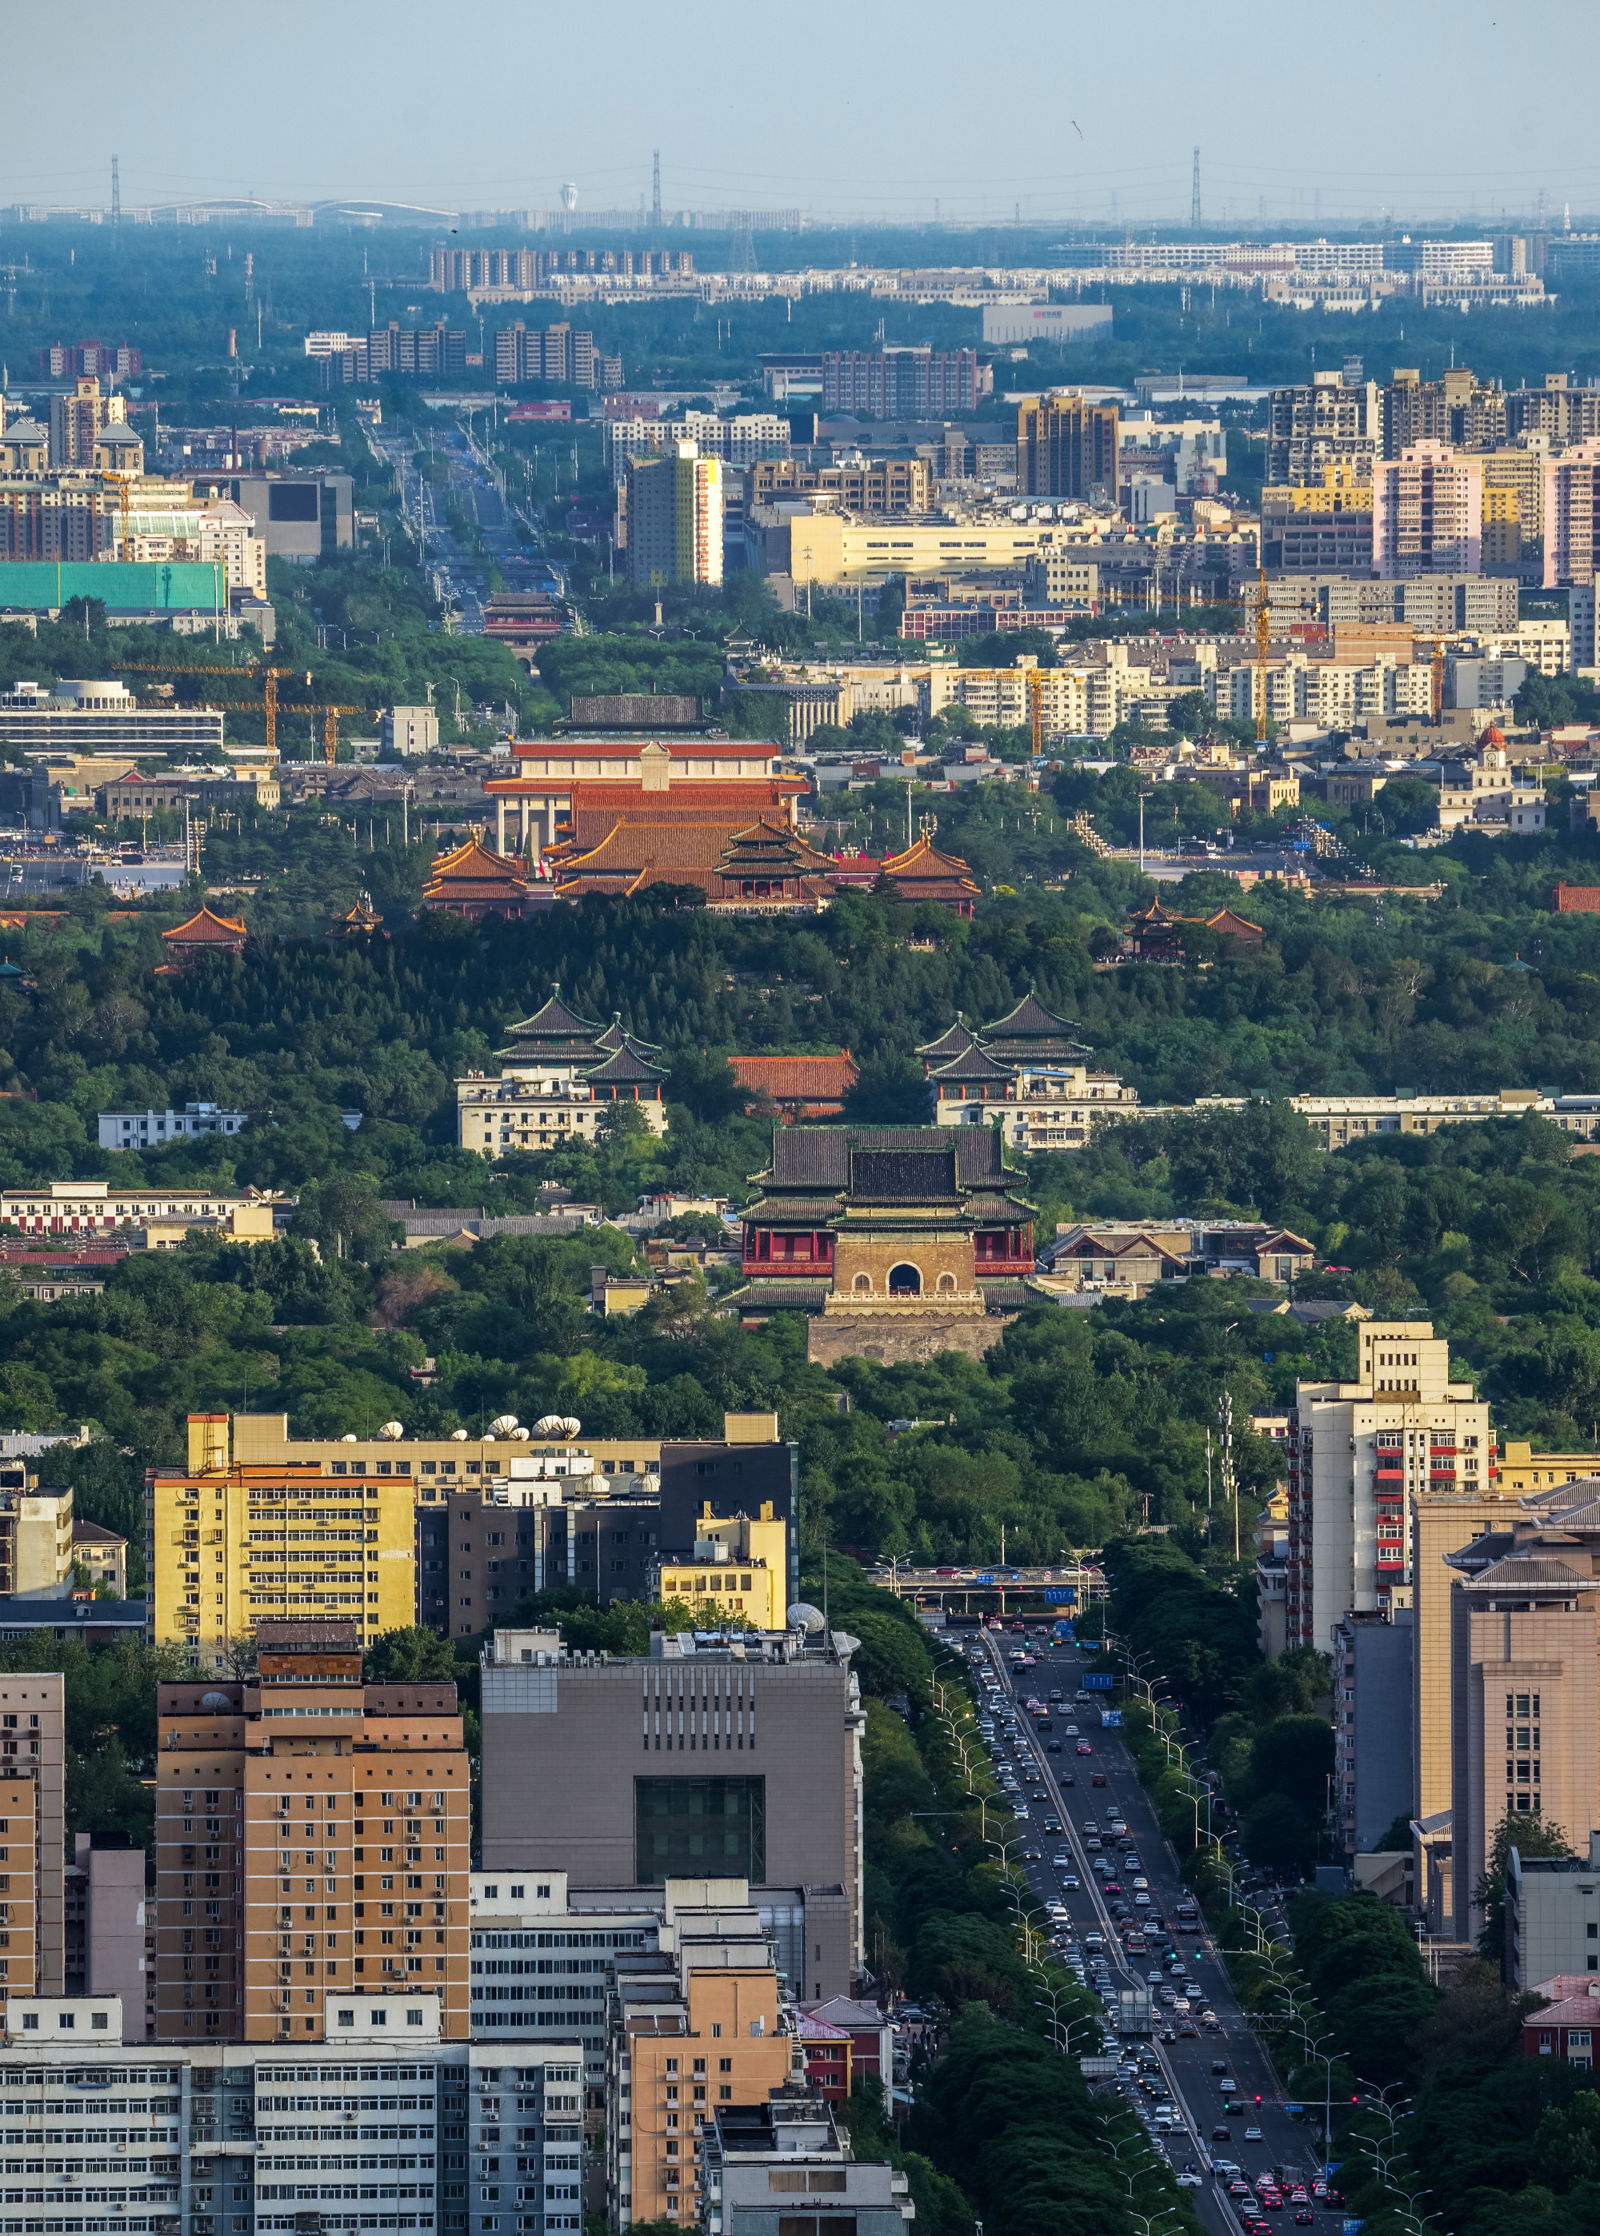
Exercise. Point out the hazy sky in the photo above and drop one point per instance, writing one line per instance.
(842, 107)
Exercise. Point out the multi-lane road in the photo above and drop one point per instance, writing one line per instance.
(1262, 2137)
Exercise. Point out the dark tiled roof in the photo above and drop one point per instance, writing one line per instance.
(556, 1020)
(798, 1211)
(972, 1063)
(819, 1156)
(808, 1295)
(925, 1174)
(1029, 1020)
(953, 1041)
(623, 1068)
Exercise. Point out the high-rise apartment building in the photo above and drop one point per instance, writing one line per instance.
(699, 2021)
(1572, 517)
(33, 1834)
(674, 518)
(1322, 525)
(228, 1547)
(1457, 410)
(735, 1757)
(1330, 421)
(1067, 447)
(913, 383)
(1357, 1452)
(1427, 512)
(77, 421)
(311, 1849)
(560, 353)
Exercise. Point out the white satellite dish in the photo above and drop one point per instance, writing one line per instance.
(392, 1431)
(803, 1616)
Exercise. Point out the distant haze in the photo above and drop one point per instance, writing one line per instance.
(1415, 108)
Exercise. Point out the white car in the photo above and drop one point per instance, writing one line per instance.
(1252, 2134)
(1190, 2181)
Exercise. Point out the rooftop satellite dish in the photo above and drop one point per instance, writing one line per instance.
(218, 1702)
(502, 1424)
(348, 1440)
(520, 1435)
(803, 1616)
(458, 1436)
(392, 1431)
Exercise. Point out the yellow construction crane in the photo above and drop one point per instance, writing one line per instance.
(122, 483)
(1263, 652)
(330, 726)
(269, 678)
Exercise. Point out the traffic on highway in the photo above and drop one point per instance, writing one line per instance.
(1180, 2051)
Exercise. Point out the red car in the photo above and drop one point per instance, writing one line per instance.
(1098, 1779)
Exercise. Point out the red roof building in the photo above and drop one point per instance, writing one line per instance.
(1577, 900)
(556, 776)
(801, 1089)
(1569, 2024)
(205, 934)
(471, 881)
(826, 2050)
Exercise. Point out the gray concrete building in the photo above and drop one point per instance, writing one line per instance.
(1552, 1916)
(727, 1756)
(1372, 1725)
(761, 2165)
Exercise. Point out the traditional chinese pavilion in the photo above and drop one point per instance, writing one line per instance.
(356, 922)
(469, 880)
(205, 934)
(1156, 933)
(771, 863)
(925, 873)
(897, 1242)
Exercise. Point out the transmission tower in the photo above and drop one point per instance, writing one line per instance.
(1194, 194)
(116, 194)
(655, 188)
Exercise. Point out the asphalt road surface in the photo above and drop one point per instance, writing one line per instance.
(1291, 2147)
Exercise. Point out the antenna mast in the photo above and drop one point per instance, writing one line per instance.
(655, 187)
(1194, 194)
(116, 194)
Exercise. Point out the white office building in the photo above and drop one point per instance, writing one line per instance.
(1357, 1453)
(148, 1129)
(386, 2128)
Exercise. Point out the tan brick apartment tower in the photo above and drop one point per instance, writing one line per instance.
(33, 1835)
(311, 1848)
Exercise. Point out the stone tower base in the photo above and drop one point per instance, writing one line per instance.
(890, 1340)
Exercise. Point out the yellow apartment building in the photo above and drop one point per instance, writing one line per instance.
(739, 1566)
(227, 1548)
